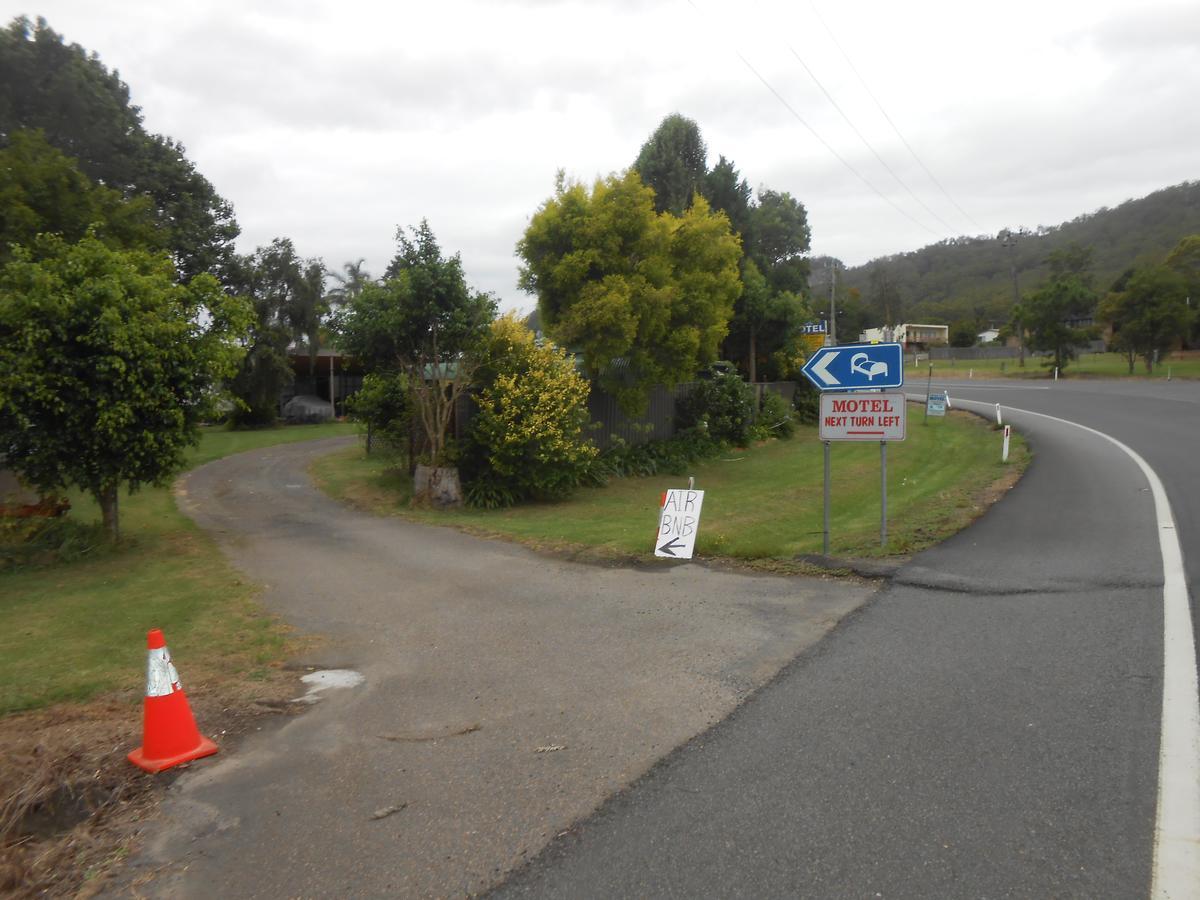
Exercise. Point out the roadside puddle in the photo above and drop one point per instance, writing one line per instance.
(326, 680)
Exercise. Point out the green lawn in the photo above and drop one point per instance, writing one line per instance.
(1087, 365)
(762, 504)
(73, 630)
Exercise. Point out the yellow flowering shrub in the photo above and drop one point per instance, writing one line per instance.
(526, 439)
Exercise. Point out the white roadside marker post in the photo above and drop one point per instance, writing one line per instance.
(1007, 434)
(999, 418)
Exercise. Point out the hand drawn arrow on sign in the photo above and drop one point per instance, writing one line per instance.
(671, 546)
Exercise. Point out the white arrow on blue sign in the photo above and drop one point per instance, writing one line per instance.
(856, 367)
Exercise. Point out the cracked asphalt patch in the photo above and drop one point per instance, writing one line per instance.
(505, 694)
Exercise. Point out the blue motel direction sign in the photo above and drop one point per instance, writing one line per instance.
(856, 367)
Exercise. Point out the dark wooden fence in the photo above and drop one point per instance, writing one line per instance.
(610, 424)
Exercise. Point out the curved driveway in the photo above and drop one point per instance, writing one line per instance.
(427, 780)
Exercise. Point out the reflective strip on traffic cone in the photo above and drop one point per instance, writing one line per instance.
(169, 733)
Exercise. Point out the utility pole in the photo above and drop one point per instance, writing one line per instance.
(832, 302)
(1010, 241)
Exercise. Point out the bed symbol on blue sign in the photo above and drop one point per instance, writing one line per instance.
(856, 367)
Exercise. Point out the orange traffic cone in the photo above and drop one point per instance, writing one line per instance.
(169, 733)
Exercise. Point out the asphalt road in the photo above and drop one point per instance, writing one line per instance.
(987, 727)
(506, 694)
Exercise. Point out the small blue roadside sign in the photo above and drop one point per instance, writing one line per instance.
(935, 405)
(856, 367)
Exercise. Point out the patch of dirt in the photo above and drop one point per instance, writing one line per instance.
(72, 807)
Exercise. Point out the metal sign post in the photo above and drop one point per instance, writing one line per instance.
(928, 388)
(825, 542)
(883, 493)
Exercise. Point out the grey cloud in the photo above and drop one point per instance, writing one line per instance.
(1170, 27)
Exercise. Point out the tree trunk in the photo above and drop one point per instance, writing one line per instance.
(107, 498)
(753, 354)
(437, 486)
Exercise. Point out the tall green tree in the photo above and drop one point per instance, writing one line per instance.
(778, 239)
(350, 281)
(309, 307)
(273, 279)
(84, 110)
(643, 298)
(1184, 259)
(1047, 312)
(765, 322)
(1149, 313)
(109, 366)
(424, 322)
(673, 163)
(727, 191)
(43, 191)
(771, 309)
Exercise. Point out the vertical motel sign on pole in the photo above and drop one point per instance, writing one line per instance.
(858, 404)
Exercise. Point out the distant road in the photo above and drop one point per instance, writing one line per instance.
(988, 726)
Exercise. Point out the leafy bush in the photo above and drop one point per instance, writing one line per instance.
(775, 418)
(807, 402)
(39, 541)
(382, 405)
(526, 441)
(671, 456)
(722, 408)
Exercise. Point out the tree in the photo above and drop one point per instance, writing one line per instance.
(109, 366)
(84, 110)
(43, 191)
(285, 304)
(1046, 312)
(726, 191)
(350, 281)
(308, 309)
(964, 333)
(424, 322)
(1149, 314)
(764, 322)
(1185, 260)
(644, 298)
(777, 239)
(673, 163)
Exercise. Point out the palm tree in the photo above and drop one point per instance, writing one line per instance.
(350, 284)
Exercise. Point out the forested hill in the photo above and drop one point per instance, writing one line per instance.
(970, 277)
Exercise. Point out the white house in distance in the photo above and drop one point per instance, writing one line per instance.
(913, 337)
(987, 337)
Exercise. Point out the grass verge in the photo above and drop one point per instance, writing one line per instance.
(1184, 364)
(72, 657)
(762, 505)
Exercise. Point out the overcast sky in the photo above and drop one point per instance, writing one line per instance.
(334, 122)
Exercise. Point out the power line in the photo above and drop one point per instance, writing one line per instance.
(883, 111)
(835, 154)
(900, 181)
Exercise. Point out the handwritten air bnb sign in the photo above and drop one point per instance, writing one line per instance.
(678, 522)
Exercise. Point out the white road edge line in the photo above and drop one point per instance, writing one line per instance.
(1176, 867)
